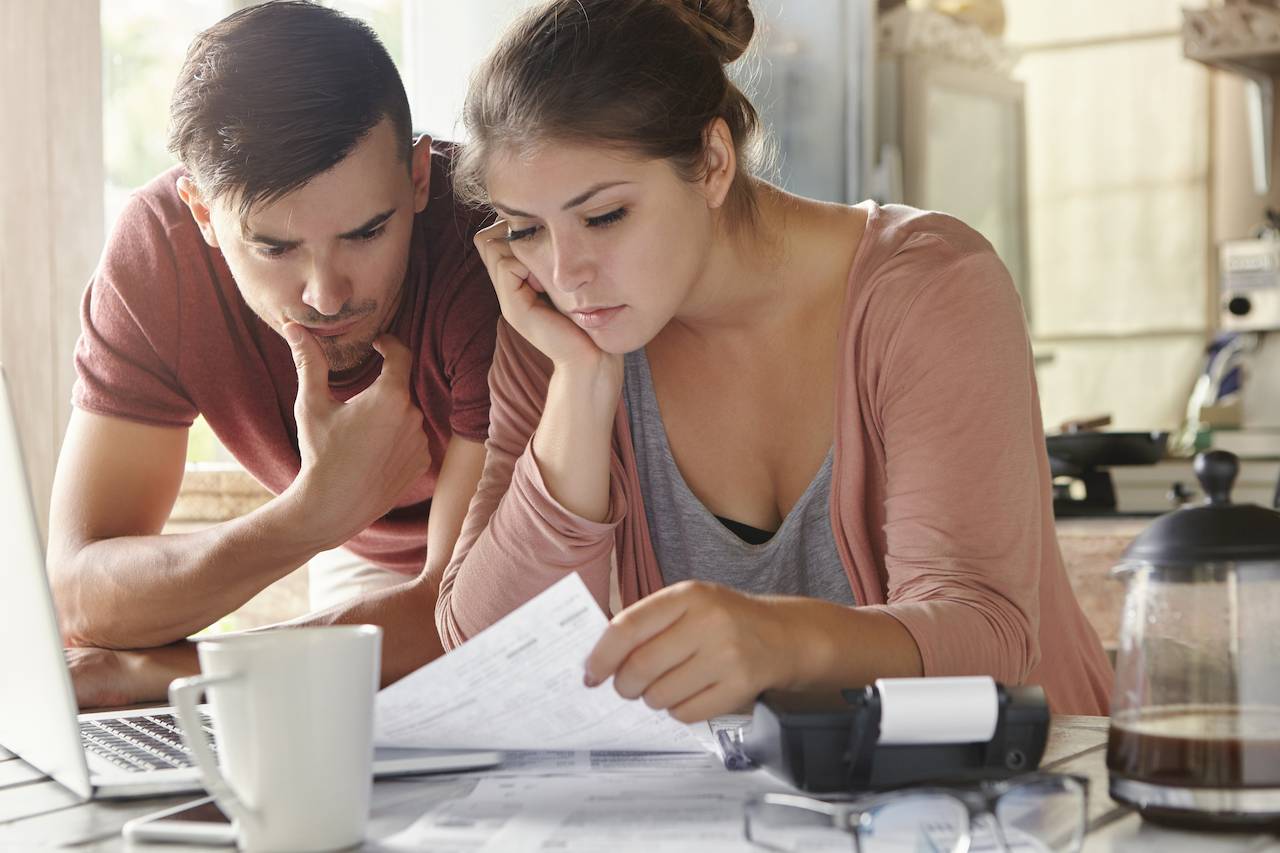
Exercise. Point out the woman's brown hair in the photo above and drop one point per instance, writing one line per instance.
(645, 76)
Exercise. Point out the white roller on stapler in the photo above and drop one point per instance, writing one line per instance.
(937, 710)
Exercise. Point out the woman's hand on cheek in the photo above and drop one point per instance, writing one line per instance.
(526, 306)
(694, 649)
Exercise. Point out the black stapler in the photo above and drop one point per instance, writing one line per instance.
(899, 732)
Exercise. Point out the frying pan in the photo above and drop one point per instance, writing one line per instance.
(1072, 453)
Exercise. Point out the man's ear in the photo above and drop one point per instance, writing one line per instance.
(721, 162)
(191, 197)
(420, 167)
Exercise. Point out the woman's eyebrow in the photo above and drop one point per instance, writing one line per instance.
(580, 199)
(568, 205)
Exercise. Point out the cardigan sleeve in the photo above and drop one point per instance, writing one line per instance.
(517, 540)
(963, 447)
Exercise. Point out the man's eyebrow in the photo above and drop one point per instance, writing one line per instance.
(373, 222)
(266, 240)
(568, 205)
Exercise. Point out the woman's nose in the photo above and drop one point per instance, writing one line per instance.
(573, 268)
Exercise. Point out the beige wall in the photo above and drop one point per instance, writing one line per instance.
(51, 178)
(1122, 159)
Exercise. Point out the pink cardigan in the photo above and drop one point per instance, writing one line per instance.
(940, 500)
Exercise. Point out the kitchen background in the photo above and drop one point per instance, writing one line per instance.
(1105, 165)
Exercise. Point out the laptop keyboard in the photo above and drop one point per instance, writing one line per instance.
(140, 743)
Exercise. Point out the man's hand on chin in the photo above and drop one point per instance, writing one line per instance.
(109, 678)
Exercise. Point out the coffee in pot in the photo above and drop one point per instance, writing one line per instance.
(1195, 728)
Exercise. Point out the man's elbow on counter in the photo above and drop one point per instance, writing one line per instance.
(71, 602)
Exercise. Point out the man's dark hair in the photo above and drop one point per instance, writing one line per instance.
(275, 94)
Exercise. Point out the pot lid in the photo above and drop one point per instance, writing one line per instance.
(1215, 531)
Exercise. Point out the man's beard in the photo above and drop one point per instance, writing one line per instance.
(346, 356)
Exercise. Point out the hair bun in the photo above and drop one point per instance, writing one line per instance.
(727, 24)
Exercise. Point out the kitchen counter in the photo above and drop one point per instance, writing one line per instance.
(1090, 549)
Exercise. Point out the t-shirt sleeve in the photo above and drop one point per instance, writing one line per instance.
(126, 358)
(469, 338)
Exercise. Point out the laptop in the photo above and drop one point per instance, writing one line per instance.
(102, 755)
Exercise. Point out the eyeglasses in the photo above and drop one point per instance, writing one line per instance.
(1035, 812)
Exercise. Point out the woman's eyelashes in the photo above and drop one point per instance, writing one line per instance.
(607, 219)
(521, 234)
(604, 220)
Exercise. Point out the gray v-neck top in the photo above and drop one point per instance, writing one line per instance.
(690, 543)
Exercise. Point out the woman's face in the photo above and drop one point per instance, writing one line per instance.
(616, 242)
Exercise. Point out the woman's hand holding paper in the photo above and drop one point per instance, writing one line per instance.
(695, 650)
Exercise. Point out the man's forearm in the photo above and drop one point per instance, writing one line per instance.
(406, 614)
(131, 592)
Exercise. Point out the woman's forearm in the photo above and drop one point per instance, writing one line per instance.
(573, 442)
(834, 646)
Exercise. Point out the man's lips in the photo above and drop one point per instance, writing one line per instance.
(331, 331)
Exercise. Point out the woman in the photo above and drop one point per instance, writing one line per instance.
(789, 444)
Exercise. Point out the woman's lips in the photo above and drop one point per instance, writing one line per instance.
(596, 318)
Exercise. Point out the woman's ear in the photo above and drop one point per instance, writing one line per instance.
(721, 162)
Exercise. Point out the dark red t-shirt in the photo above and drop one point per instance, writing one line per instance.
(165, 335)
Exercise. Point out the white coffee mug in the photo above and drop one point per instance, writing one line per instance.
(293, 714)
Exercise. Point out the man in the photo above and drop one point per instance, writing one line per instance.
(306, 283)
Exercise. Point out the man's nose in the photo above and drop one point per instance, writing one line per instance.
(327, 290)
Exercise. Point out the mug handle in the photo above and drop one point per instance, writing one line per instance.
(183, 693)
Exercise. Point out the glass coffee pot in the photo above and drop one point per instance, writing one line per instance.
(1195, 725)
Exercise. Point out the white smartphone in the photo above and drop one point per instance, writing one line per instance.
(197, 822)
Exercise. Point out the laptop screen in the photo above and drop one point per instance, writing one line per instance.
(37, 704)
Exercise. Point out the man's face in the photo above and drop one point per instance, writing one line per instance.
(332, 254)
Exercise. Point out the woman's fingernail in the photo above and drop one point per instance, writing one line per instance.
(589, 681)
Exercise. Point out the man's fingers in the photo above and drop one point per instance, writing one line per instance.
(312, 366)
(397, 361)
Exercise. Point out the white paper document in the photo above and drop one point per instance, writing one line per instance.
(655, 813)
(550, 763)
(518, 685)
(647, 813)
